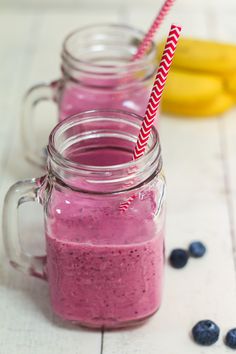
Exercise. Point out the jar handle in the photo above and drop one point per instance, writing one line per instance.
(36, 94)
(21, 192)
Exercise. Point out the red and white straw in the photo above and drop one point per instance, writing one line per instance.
(146, 43)
(154, 100)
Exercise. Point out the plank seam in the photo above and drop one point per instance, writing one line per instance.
(102, 341)
(25, 70)
(227, 185)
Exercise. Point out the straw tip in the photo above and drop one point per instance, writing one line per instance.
(176, 27)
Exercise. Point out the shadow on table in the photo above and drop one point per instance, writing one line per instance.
(33, 293)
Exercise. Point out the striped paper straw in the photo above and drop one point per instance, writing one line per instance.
(154, 100)
(146, 43)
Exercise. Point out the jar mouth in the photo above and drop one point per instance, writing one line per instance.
(93, 152)
(83, 50)
(153, 147)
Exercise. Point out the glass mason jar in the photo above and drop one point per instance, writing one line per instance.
(97, 73)
(104, 267)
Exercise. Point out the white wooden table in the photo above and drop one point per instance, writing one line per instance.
(200, 164)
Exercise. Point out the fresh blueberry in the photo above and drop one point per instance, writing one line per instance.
(230, 339)
(178, 258)
(205, 332)
(197, 249)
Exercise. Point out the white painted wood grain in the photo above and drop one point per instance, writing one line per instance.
(193, 24)
(228, 164)
(228, 132)
(226, 31)
(225, 5)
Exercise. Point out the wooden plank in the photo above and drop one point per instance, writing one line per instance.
(73, 4)
(192, 24)
(227, 127)
(225, 31)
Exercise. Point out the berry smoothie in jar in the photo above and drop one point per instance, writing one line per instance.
(97, 72)
(104, 266)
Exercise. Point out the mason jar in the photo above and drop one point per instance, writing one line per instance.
(97, 72)
(104, 266)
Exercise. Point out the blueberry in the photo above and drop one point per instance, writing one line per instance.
(205, 332)
(230, 339)
(178, 258)
(197, 249)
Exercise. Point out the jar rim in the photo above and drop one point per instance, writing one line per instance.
(59, 159)
(87, 66)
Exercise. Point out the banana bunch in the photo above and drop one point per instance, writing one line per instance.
(202, 81)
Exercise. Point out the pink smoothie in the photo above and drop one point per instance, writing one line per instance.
(104, 268)
(77, 98)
